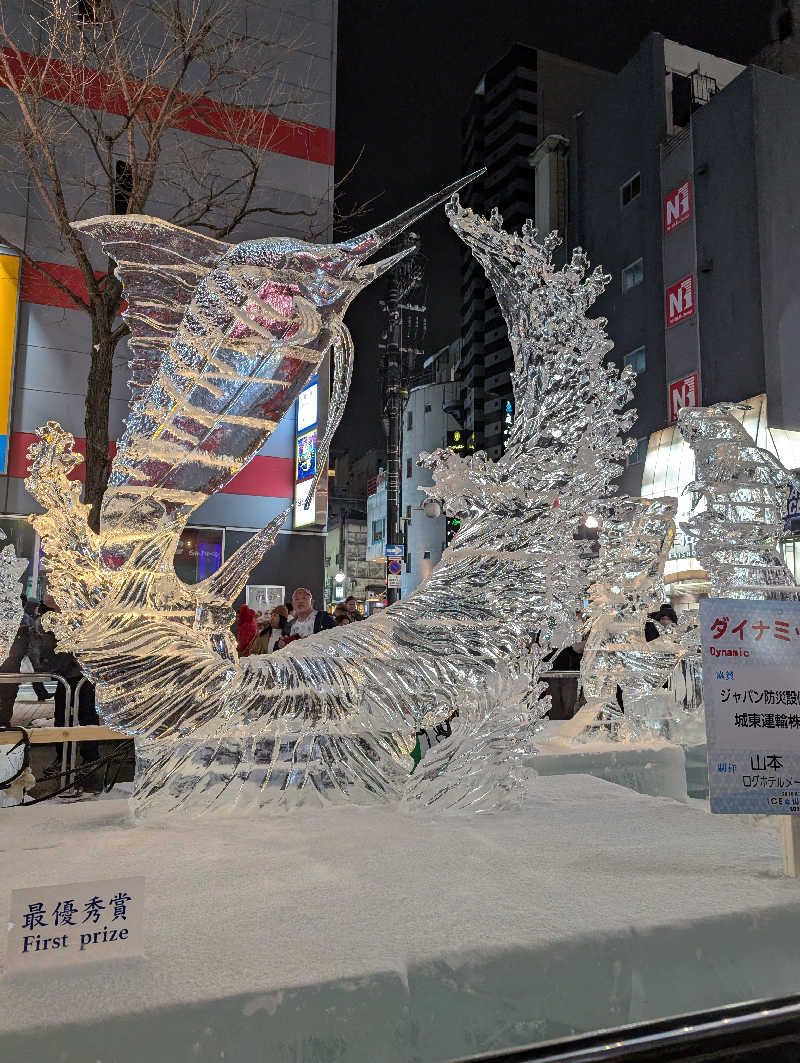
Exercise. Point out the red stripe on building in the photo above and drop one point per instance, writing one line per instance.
(264, 477)
(37, 288)
(83, 87)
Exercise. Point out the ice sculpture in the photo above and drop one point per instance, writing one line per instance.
(617, 660)
(519, 550)
(11, 568)
(739, 498)
(330, 718)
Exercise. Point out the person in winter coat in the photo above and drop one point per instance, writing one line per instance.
(307, 620)
(270, 633)
(45, 656)
(13, 662)
(30, 618)
(246, 629)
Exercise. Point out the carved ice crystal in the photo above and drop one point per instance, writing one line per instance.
(225, 339)
(617, 659)
(11, 568)
(739, 499)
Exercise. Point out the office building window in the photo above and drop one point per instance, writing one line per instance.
(636, 360)
(408, 468)
(378, 527)
(427, 407)
(409, 420)
(632, 275)
(426, 555)
(631, 189)
(639, 453)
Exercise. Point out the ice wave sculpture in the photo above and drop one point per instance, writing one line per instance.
(330, 718)
(519, 554)
(11, 569)
(627, 584)
(739, 499)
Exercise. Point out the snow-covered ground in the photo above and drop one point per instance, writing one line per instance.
(366, 934)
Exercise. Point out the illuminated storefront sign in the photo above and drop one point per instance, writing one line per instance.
(305, 468)
(307, 407)
(305, 456)
(302, 516)
(9, 300)
(461, 442)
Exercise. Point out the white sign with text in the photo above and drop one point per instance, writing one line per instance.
(81, 922)
(751, 692)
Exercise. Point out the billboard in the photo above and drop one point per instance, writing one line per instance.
(677, 206)
(683, 392)
(680, 300)
(307, 406)
(306, 456)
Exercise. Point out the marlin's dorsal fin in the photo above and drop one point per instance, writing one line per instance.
(160, 266)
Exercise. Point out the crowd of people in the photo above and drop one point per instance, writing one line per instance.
(258, 633)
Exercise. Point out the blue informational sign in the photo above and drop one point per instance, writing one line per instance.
(751, 692)
(395, 551)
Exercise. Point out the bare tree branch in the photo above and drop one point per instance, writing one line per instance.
(154, 106)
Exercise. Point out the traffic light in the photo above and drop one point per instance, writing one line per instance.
(453, 528)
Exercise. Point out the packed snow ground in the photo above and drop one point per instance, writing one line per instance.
(369, 935)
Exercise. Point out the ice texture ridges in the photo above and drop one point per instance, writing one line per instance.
(333, 718)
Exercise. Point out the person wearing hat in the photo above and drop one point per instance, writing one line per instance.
(271, 633)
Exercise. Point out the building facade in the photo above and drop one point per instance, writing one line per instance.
(347, 569)
(430, 423)
(694, 215)
(526, 97)
(50, 354)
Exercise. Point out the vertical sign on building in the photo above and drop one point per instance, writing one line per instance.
(9, 302)
(680, 300)
(678, 206)
(683, 392)
(305, 454)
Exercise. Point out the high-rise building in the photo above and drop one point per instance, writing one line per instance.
(694, 215)
(48, 354)
(527, 96)
(429, 424)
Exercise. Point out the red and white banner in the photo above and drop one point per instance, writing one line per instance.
(678, 206)
(680, 300)
(683, 392)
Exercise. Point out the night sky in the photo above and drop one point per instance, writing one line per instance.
(406, 72)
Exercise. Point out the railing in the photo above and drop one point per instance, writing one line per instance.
(70, 735)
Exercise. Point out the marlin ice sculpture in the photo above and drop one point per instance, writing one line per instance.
(221, 358)
(224, 337)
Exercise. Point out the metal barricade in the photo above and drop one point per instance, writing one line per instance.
(74, 707)
(18, 678)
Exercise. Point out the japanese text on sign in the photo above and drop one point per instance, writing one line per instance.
(751, 688)
(76, 923)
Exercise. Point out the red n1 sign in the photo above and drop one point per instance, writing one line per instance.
(683, 392)
(678, 206)
(680, 300)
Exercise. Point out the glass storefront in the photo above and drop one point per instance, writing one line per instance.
(199, 554)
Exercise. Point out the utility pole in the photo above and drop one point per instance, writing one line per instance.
(402, 345)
